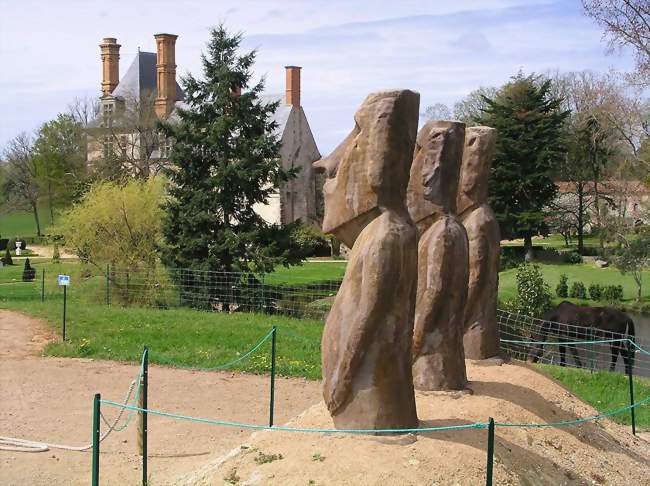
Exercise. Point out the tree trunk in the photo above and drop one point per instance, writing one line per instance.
(528, 247)
(36, 219)
(581, 219)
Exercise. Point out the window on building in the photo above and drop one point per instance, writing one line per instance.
(124, 142)
(107, 147)
(164, 146)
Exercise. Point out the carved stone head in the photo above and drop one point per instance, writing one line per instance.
(475, 172)
(368, 172)
(435, 171)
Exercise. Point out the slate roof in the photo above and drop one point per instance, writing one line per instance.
(141, 76)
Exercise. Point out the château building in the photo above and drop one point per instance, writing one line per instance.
(129, 107)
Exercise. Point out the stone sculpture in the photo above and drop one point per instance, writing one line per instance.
(366, 346)
(438, 359)
(481, 336)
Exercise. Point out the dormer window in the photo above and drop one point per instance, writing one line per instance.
(108, 109)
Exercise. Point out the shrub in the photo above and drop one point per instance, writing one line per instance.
(29, 273)
(595, 292)
(311, 241)
(7, 258)
(578, 291)
(56, 256)
(533, 293)
(573, 257)
(562, 289)
(613, 293)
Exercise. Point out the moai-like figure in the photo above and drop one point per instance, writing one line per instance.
(438, 359)
(481, 339)
(366, 346)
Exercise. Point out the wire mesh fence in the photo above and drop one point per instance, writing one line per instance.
(574, 346)
(306, 298)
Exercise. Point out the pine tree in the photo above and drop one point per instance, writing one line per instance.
(225, 159)
(29, 273)
(7, 260)
(529, 146)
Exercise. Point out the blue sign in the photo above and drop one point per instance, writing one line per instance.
(64, 280)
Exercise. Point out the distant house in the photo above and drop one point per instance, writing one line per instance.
(129, 108)
(629, 200)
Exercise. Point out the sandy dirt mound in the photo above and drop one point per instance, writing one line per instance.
(49, 399)
(602, 453)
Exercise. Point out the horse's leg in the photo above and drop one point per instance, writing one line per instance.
(576, 357)
(562, 349)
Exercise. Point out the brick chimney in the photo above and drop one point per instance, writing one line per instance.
(165, 74)
(293, 85)
(110, 50)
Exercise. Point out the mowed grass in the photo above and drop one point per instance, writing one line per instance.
(308, 272)
(23, 224)
(605, 391)
(587, 273)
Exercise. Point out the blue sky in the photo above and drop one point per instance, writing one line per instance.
(444, 49)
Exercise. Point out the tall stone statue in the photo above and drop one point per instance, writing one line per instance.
(366, 346)
(481, 339)
(438, 359)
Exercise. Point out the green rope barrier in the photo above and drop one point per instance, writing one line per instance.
(580, 420)
(294, 429)
(228, 364)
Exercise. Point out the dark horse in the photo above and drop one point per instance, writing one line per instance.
(570, 322)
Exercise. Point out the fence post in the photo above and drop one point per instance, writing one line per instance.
(65, 304)
(630, 357)
(272, 401)
(43, 286)
(96, 426)
(108, 284)
(263, 296)
(142, 422)
(490, 453)
(591, 349)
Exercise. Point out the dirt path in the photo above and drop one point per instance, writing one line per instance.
(50, 399)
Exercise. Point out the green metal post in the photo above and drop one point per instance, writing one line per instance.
(272, 401)
(108, 284)
(96, 425)
(65, 304)
(490, 453)
(630, 357)
(145, 388)
(263, 296)
(43, 286)
(591, 349)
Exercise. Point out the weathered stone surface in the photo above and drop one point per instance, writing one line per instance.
(438, 359)
(366, 346)
(481, 336)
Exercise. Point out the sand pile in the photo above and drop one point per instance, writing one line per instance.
(591, 453)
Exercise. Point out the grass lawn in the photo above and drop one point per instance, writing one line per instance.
(605, 391)
(587, 273)
(21, 223)
(308, 272)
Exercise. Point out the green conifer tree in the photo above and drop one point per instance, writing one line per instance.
(225, 160)
(529, 147)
